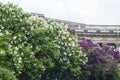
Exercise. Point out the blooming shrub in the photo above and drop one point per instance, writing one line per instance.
(102, 63)
(14, 30)
(36, 49)
(58, 51)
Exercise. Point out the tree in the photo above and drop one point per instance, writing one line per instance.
(61, 51)
(34, 48)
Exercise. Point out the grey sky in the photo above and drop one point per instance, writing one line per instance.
(83, 11)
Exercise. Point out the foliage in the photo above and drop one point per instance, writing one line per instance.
(102, 63)
(67, 56)
(56, 50)
(14, 30)
(6, 74)
(37, 49)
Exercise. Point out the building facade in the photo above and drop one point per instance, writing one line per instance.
(101, 34)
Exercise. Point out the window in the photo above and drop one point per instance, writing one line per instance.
(111, 31)
(85, 30)
(98, 31)
(111, 45)
(100, 44)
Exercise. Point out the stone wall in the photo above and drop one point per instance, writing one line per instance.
(103, 34)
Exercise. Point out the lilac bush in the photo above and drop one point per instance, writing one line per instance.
(115, 54)
(87, 45)
(102, 62)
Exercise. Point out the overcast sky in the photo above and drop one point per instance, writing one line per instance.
(83, 11)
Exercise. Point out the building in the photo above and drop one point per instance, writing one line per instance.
(101, 34)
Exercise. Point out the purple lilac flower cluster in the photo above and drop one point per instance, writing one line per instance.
(88, 46)
(101, 61)
(115, 54)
